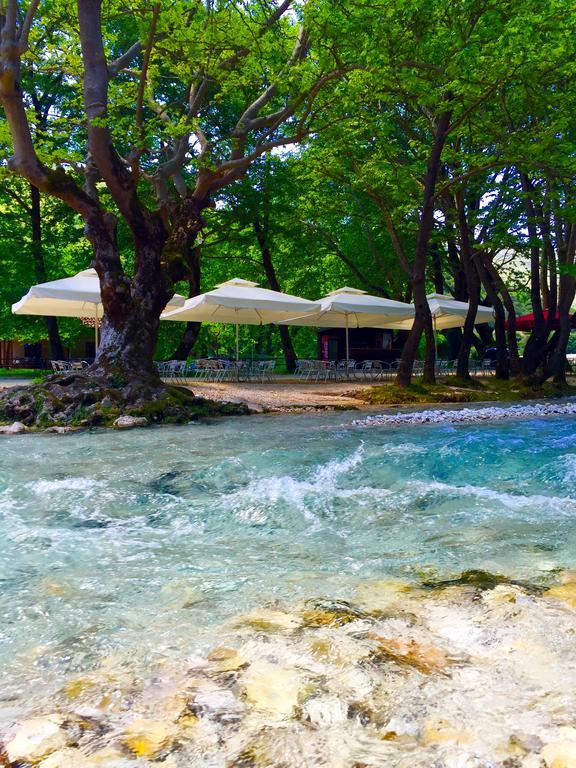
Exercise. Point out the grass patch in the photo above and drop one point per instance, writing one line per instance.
(452, 390)
(22, 373)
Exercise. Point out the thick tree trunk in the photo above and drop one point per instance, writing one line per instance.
(423, 318)
(535, 349)
(285, 338)
(513, 354)
(502, 357)
(56, 349)
(132, 306)
(567, 290)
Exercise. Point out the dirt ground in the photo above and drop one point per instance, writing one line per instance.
(282, 395)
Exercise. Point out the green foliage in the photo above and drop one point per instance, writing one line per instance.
(345, 206)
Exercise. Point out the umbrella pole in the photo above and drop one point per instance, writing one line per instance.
(347, 347)
(237, 342)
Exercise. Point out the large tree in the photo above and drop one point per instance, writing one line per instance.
(177, 101)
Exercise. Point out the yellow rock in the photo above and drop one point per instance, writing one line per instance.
(438, 731)
(272, 689)
(76, 688)
(560, 754)
(227, 659)
(567, 577)
(566, 592)
(147, 738)
(36, 738)
(269, 620)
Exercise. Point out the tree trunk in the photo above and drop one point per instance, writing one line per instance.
(535, 348)
(423, 318)
(463, 363)
(192, 330)
(285, 337)
(502, 357)
(567, 290)
(132, 306)
(56, 349)
(513, 354)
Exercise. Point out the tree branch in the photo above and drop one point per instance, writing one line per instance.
(116, 66)
(117, 177)
(27, 25)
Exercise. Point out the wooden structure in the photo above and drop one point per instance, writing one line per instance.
(365, 344)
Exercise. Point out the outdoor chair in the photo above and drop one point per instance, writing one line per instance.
(345, 369)
(302, 368)
(265, 369)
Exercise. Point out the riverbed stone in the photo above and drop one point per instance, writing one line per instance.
(226, 659)
(129, 422)
(16, 428)
(147, 738)
(384, 594)
(424, 657)
(272, 688)
(560, 754)
(36, 738)
(217, 704)
(324, 711)
(439, 731)
(74, 758)
(565, 592)
(269, 620)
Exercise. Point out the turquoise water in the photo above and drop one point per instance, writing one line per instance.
(138, 543)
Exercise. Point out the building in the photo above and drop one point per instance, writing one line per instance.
(364, 344)
(19, 354)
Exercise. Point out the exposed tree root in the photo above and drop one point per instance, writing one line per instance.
(86, 400)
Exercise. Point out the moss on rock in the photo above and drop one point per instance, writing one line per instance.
(84, 400)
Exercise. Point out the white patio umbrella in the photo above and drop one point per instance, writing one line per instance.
(76, 296)
(351, 308)
(449, 313)
(243, 303)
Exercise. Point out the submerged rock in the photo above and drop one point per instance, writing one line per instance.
(421, 656)
(481, 580)
(272, 688)
(560, 754)
(324, 711)
(384, 594)
(227, 660)
(565, 590)
(36, 738)
(147, 738)
(268, 619)
(319, 613)
(218, 704)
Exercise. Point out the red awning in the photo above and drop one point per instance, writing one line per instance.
(526, 322)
